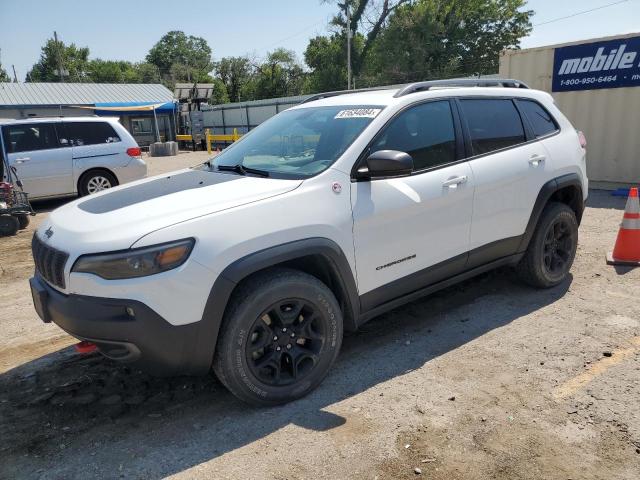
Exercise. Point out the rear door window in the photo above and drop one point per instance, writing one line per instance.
(90, 133)
(541, 121)
(493, 124)
(29, 137)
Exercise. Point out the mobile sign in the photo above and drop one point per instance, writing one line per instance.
(610, 64)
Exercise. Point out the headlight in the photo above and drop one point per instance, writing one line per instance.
(137, 262)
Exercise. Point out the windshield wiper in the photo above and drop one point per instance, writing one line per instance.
(242, 170)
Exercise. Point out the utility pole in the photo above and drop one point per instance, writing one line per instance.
(346, 7)
(58, 57)
(15, 77)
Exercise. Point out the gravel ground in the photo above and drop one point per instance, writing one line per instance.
(488, 379)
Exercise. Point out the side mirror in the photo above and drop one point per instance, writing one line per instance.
(386, 163)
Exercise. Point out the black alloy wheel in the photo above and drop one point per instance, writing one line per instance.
(285, 341)
(280, 335)
(552, 248)
(558, 246)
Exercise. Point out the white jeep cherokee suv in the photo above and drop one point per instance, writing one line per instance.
(323, 217)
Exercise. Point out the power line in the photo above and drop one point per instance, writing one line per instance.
(300, 32)
(580, 13)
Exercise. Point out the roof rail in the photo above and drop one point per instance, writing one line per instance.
(422, 86)
(320, 96)
(460, 82)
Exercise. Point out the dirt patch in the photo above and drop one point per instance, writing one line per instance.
(549, 445)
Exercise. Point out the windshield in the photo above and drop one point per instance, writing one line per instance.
(298, 143)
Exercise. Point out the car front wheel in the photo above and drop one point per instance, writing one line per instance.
(280, 336)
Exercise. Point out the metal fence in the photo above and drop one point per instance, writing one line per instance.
(243, 116)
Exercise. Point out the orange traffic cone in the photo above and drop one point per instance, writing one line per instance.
(627, 249)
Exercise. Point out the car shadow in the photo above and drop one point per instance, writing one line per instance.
(102, 412)
(46, 206)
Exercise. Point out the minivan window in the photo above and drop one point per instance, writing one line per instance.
(425, 132)
(90, 133)
(29, 137)
(493, 124)
(541, 121)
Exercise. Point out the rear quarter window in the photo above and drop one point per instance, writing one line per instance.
(91, 133)
(540, 119)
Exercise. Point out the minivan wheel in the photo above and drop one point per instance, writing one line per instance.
(96, 181)
(279, 338)
(552, 249)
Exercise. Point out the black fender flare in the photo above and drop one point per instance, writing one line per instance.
(333, 258)
(545, 194)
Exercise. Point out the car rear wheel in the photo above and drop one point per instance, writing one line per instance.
(280, 336)
(552, 248)
(96, 181)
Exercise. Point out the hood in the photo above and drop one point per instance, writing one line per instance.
(120, 216)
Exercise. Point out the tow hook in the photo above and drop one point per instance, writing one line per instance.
(85, 347)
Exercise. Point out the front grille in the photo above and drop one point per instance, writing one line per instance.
(49, 262)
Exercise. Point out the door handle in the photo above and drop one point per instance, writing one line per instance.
(536, 159)
(455, 181)
(22, 159)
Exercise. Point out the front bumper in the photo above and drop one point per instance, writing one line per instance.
(126, 330)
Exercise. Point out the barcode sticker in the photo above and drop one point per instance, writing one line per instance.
(359, 113)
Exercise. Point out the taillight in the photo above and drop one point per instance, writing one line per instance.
(134, 152)
(583, 139)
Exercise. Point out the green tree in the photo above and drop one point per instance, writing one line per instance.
(368, 19)
(147, 72)
(279, 75)
(120, 71)
(444, 38)
(74, 61)
(112, 71)
(178, 55)
(235, 73)
(326, 56)
(220, 94)
(4, 77)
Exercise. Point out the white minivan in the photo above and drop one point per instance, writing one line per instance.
(62, 156)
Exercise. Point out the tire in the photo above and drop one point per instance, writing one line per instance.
(95, 181)
(23, 221)
(552, 249)
(9, 225)
(293, 325)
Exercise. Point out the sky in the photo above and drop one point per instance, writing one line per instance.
(127, 29)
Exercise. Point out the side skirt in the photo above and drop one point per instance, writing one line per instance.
(428, 290)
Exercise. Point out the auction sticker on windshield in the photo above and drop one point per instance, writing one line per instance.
(359, 113)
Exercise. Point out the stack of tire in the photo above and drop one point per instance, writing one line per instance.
(163, 149)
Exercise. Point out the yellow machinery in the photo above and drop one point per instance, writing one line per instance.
(229, 138)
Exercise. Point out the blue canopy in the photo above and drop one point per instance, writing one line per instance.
(133, 108)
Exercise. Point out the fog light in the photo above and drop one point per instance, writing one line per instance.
(130, 312)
